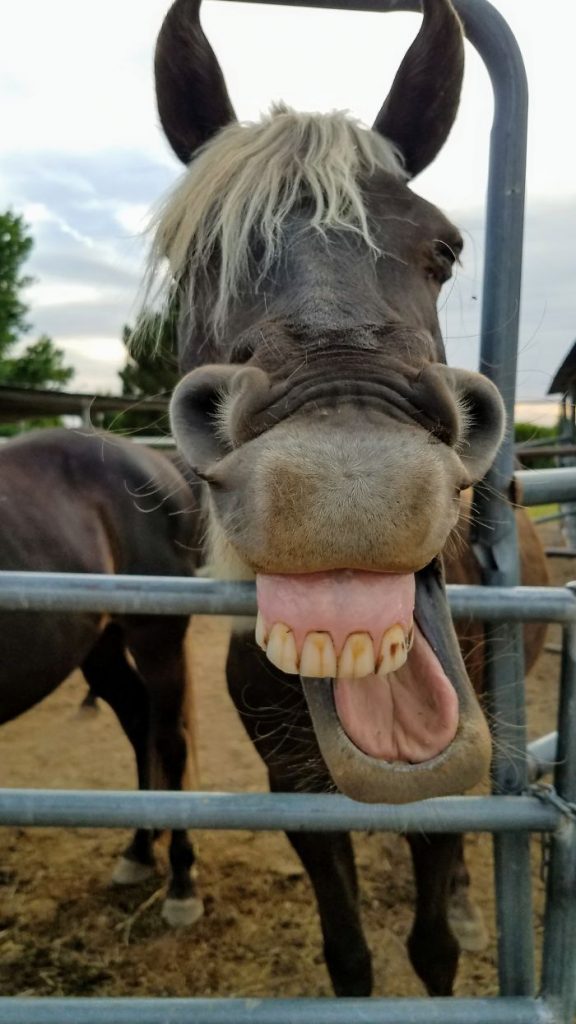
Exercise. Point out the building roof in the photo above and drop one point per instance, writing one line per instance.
(32, 403)
(565, 376)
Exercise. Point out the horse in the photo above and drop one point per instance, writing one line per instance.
(73, 501)
(333, 444)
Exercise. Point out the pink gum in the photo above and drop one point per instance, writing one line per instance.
(338, 603)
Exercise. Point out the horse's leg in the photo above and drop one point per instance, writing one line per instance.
(110, 676)
(329, 860)
(432, 946)
(274, 713)
(464, 916)
(157, 646)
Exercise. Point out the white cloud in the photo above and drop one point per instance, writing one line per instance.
(43, 295)
(133, 217)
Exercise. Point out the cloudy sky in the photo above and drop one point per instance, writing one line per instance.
(82, 156)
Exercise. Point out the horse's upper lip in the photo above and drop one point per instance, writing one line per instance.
(391, 393)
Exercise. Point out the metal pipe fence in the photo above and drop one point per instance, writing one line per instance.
(170, 595)
(544, 810)
(264, 812)
(276, 1011)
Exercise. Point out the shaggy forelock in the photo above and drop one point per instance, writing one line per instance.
(243, 184)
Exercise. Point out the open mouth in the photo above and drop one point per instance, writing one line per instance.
(382, 675)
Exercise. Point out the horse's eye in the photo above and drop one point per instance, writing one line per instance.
(445, 252)
(441, 260)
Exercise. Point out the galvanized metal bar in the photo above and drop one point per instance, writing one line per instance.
(495, 535)
(174, 595)
(535, 451)
(263, 812)
(569, 524)
(511, 604)
(274, 1011)
(559, 968)
(552, 440)
(542, 754)
(541, 486)
(127, 595)
(504, 682)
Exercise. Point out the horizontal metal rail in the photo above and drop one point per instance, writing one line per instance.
(538, 452)
(174, 595)
(312, 812)
(275, 1011)
(542, 486)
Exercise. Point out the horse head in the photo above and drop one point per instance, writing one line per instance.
(317, 405)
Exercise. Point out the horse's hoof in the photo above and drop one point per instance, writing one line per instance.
(467, 924)
(182, 913)
(131, 872)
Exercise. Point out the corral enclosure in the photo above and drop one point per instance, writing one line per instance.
(64, 930)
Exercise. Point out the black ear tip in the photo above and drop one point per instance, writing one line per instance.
(421, 107)
(191, 94)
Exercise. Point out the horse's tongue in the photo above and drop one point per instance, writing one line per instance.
(410, 715)
(339, 603)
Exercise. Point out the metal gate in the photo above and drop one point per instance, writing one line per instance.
(511, 815)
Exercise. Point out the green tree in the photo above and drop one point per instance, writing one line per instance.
(40, 364)
(151, 370)
(527, 434)
(15, 247)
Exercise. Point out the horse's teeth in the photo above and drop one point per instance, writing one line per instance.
(318, 657)
(261, 633)
(281, 648)
(357, 657)
(393, 651)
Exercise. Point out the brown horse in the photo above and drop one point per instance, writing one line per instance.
(78, 502)
(334, 443)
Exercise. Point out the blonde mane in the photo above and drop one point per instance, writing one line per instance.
(244, 183)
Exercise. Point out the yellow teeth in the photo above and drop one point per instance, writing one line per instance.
(281, 648)
(357, 657)
(318, 657)
(393, 651)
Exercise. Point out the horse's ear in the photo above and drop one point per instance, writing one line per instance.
(421, 106)
(191, 93)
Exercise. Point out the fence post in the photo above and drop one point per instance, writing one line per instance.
(495, 534)
(558, 966)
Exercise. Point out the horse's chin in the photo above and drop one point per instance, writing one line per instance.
(458, 767)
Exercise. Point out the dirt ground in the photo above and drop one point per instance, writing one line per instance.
(65, 931)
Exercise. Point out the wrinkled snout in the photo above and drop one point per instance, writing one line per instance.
(337, 489)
